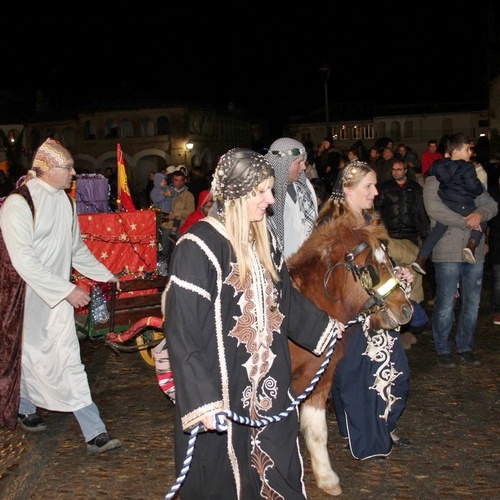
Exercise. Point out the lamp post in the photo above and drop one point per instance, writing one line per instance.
(325, 72)
(189, 147)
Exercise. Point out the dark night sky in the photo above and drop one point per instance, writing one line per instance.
(258, 56)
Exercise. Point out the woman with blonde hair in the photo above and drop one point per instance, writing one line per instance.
(368, 400)
(230, 309)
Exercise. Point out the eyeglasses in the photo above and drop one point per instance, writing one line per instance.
(65, 167)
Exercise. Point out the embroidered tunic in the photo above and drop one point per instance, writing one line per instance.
(228, 345)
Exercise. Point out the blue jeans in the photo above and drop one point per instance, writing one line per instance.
(470, 278)
(88, 418)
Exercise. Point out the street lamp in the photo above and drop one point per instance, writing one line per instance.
(189, 147)
(325, 72)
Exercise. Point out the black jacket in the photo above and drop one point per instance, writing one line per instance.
(402, 210)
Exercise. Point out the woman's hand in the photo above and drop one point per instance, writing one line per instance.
(208, 421)
(404, 274)
(340, 328)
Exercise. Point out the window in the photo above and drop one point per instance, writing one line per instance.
(357, 132)
(89, 131)
(396, 131)
(408, 130)
(110, 129)
(344, 133)
(163, 125)
(447, 125)
(368, 131)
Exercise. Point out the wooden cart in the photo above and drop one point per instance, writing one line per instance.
(135, 321)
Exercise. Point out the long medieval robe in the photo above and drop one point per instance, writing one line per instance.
(43, 250)
(12, 293)
(370, 390)
(228, 346)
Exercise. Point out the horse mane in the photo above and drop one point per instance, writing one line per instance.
(327, 245)
(344, 233)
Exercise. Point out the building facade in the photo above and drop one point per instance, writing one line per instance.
(151, 139)
(410, 124)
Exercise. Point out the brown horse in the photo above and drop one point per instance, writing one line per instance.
(347, 272)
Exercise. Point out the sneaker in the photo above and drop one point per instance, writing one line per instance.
(446, 361)
(496, 319)
(469, 358)
(31, 422)
(417, 267)
(102, 443)
(469, 256)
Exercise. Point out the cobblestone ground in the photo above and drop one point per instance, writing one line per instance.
(452, 418)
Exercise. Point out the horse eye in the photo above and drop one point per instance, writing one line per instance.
(373, 274)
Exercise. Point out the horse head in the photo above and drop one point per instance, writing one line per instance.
(346, 270)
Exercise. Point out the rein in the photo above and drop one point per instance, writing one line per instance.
(221, 426)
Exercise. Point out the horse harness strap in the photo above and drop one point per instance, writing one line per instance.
(368, 276)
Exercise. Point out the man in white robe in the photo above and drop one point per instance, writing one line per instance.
(43, 247)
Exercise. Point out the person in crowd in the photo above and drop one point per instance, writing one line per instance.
(182, 204)
(409, 156)
(230, 309)
(149, 187)
(384, 168)
(197, 183)
(162, 196)
(205, 202)
(320, 190)
(458, 189)
(112, 178)
(352, 155)
(430, 156)
(374, 158)
(326, 162)
(296, 207)
(401, 207)
(480, 171)
(311, 172)
(451, 268)
(41, 234)
(384, 142)
(359, 408)
(442, 148)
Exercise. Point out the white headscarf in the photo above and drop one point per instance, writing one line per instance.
(282, 153)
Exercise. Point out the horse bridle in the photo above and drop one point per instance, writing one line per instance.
(368, 278)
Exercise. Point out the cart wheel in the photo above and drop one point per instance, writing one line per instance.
(144, 338)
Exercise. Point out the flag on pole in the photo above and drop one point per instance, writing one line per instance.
(124, 199)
